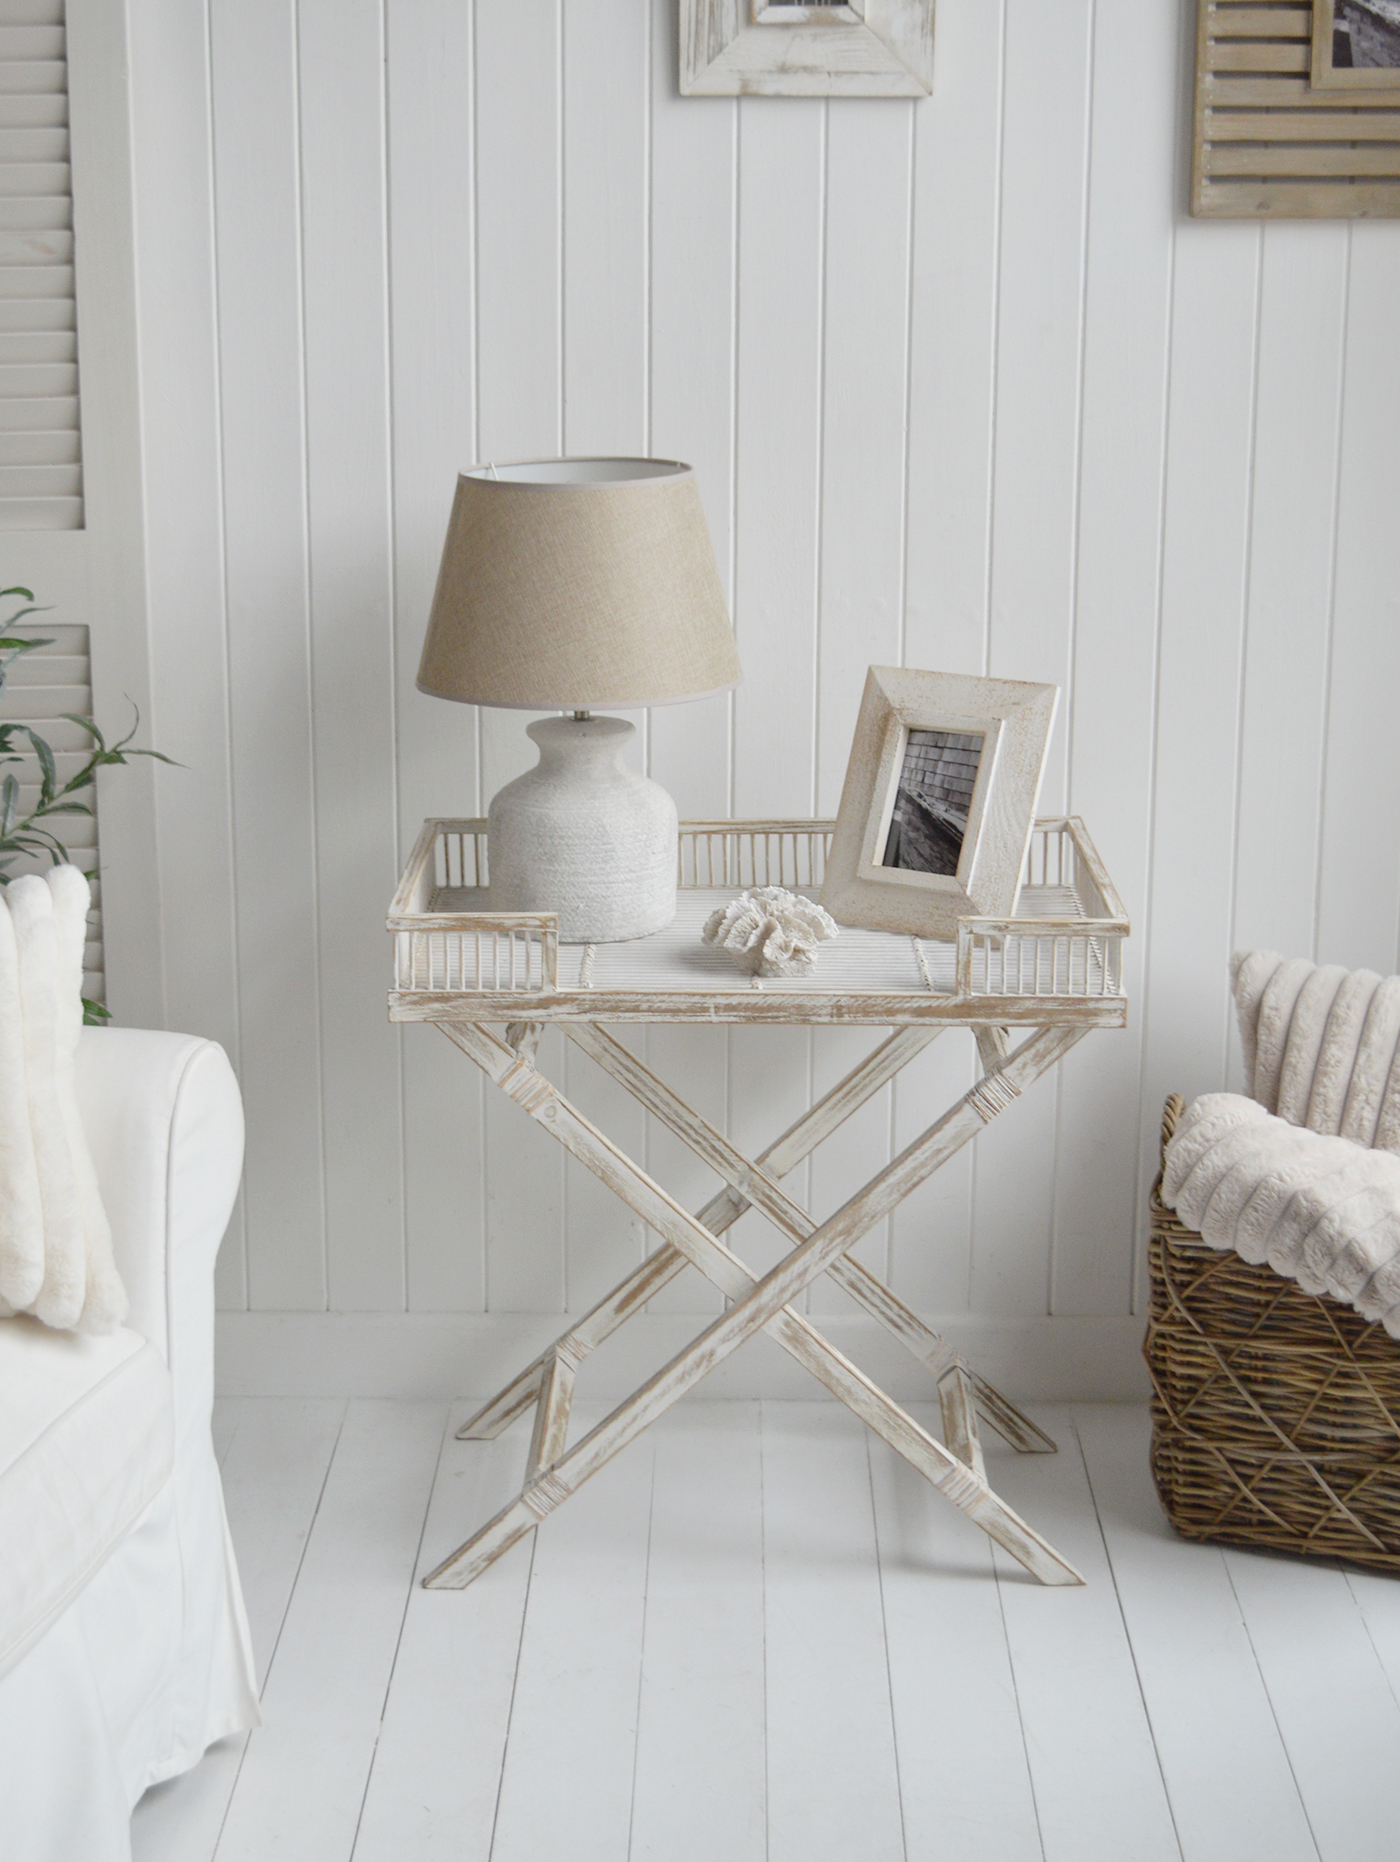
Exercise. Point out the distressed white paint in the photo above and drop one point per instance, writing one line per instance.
(965, 387)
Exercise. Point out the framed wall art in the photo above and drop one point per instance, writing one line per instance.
(1297, 109)
(806, 48)
(939, 800)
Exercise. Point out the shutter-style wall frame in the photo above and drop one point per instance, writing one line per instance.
(1267, 143)
(40, 449)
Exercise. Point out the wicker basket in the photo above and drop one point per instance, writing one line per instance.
(1275, 1413)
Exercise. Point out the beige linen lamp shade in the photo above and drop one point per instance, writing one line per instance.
(574, 584)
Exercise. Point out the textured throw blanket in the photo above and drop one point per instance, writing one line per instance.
(55, 1243)
(1303, 1174)
(1319, 1209)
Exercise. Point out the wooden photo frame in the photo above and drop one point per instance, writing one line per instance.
(939, 800)
(1356, 45)
(1281, 130)
(806, 48)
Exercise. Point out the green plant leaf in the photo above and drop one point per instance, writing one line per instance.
(48, 768)
(95, 1013)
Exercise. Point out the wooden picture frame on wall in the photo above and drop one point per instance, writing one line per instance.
(1356, 45)
(1281, 129)
(939, 800)
(806, 48)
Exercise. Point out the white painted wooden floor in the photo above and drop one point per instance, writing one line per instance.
(759, 1637)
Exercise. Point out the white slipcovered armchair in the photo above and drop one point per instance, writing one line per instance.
(123, 1645)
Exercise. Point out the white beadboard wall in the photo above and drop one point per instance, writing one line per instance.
(965, 389)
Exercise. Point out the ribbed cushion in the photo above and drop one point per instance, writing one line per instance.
(86, 1443)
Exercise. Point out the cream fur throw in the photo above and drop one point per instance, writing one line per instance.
(55, 1243)
(1319, 1209)
(1301, 1174)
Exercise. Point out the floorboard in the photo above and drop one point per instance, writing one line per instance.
(700, 1786)
(566, 1786)
(1231, 1786)
(274, 1476)
(303, 1778)
(964, 1777)
(833, 1778)
(275, 1454)
(759, 1636)
(1331, 1698)
(437, 1768)
(1378, 1599)
(1098, 1784)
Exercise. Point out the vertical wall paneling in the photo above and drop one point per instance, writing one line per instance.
(865, 373)
(955, 229)
(1359, 890)
(865, 370)
(185, 574)
(341, 71)
(693, 282)
(258, 253)
(1045, 144)
(433, 329)
(769, 1088)
(851, 1156)
(1210, 427)
(1132, 175)
(1302, 305)
(606, 109)
(519, 247)
(965, 389)
(603, 1239)
(102, 568)
(780, 241)
(188, 717)
(952, 396)
(782, 198)
(690, 353)
(606, 106)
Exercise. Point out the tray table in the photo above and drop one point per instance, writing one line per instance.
(1050, 974)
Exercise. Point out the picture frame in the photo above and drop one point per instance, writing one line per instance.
(939, 800)
(806, 48)
(1356, 45)
(1281, 129)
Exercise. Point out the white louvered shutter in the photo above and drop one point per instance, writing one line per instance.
(40, 688)
(41, 485)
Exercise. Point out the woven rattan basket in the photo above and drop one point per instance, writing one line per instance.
(1275, 1413)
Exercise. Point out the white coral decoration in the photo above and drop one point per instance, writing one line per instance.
(771, 931)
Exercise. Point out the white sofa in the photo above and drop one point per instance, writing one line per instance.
(123, 1645)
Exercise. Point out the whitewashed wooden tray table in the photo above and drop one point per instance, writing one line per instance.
(1029, 987)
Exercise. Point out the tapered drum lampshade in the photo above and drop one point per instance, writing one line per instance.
(571, 585)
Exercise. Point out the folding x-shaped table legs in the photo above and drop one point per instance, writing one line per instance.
(553, 1472)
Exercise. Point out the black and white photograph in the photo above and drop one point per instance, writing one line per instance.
(933, 801)
(1366, 35)
(1356, 44)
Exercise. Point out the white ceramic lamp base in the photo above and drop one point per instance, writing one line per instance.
(583, 836)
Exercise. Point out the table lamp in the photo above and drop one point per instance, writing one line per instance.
(574, 585)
